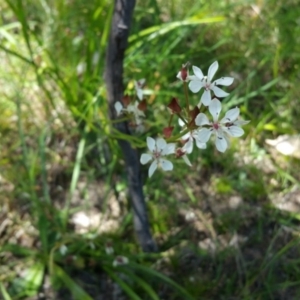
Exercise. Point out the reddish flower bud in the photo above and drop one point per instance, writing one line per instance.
(179, 153)
(174, 106)
(126, 100)
(168, 131)
(142, 105)
(184, 72)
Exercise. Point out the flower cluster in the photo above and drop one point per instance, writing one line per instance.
(133, 109)
(196, 127)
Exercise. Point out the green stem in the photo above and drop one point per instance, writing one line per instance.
(170, 120)
(186, 97)
(182, 118)
(178, 136)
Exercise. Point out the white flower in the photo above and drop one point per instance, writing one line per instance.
(120, 260)
(158, 149)
(109, 248)
(63, 249)
(139, 88)
(200, 81)
(134, 109)
(229, 125)
(189, 139)
(131, 109)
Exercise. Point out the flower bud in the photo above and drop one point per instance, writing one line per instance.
(126, 100)
(142, 105)
(184, 73)
(174, 106)
(168, 131)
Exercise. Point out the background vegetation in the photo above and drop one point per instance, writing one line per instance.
(227, 229)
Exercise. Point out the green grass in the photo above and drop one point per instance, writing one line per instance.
(58, 157)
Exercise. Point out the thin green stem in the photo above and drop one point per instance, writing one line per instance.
(186, 94)
(170, 120)
(182, 119)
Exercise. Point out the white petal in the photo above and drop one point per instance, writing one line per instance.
(186, 160)
(145, 158)
(200, 145)
(240, 122)
(161, 144)
(141, 82)
(224, 81)
(201, 120)
(194, 133)
(206, 98)
(227, 139)
(180, 122)
(195, 86)
(231, 115)
(204, 135)
(139, 88)
(192, 77)
(166, 165)
(169, 149)
(235, 131)
(188, 146)
(221, 143)
(179, 75)
(139, 93)
(215, 107)
(198, 72)
(186, 136)
(118, 107)
(212, 70)
(63, 249)
(151, 144)
(218, 92)
(152, 168)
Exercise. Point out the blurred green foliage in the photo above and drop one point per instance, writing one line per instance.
(55, 132)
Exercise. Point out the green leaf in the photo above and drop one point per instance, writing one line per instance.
(152, 272)
(143, 284)
(4, 292)
(18, 250)
(157, 30)
(126, 288)
(29, 284)
(77, 292)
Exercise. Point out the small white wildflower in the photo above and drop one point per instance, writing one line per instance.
(109, 248)
(63, 250)
(120, 260)
(189, 139)
(132, 109)
(158, 149)
(228, 126)
(200, 81)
